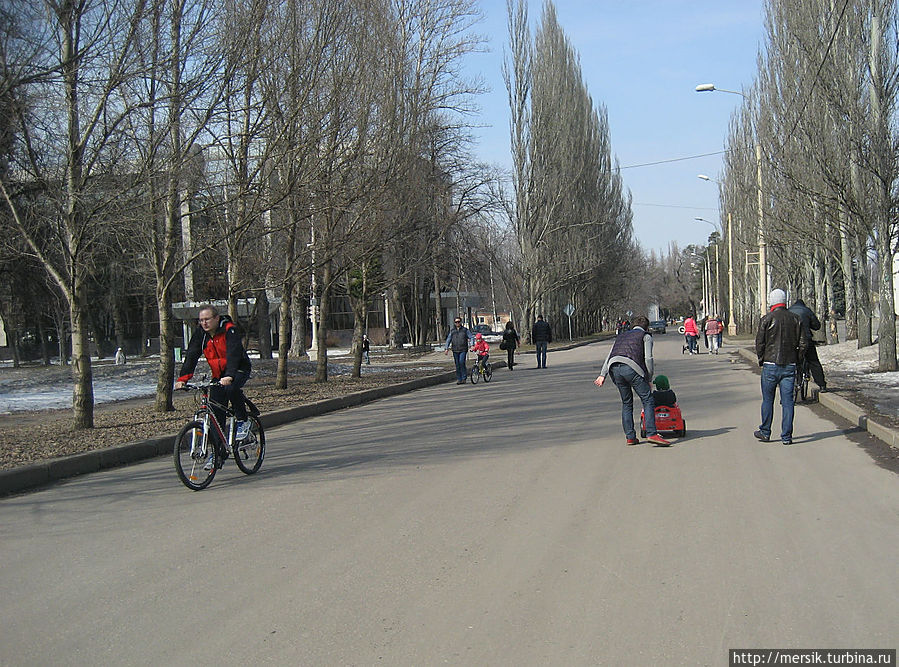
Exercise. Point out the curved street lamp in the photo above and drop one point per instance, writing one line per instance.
(763, 246)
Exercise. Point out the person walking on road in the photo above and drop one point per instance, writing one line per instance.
(542, 335)
(366, 348)
(712, 330)
(779, 345)
(630, 365)
(691, 333)
(810, 323)
(458, 341)
(511, 341)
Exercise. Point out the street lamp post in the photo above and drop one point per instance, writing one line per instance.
(731, 320)
(717, 295)
(763, 245)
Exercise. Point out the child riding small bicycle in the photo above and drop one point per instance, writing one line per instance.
(482, 348)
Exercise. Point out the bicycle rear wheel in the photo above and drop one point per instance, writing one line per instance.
(488, 372)
(248, 454)
(474, 374)
(190, 454)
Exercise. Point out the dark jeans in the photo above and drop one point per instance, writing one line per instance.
(510, 356)
(629, 381)
(784, 378)
(233, 394)
(692, 342)
(461, 370)
(541, 353)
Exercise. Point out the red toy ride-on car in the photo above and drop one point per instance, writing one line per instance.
(668, 419)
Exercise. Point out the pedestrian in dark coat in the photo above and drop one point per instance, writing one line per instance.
(542, 335)
(810, 323)
(511, 341)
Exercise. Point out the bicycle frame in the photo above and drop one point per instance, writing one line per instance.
(205, 415)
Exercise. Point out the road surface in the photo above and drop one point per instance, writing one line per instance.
(499, 524)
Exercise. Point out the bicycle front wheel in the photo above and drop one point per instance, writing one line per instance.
(474, 374)
(248, 453)
(803, 387)
(488, 372)
(192, 449)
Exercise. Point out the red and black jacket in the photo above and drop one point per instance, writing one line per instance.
(223, 350)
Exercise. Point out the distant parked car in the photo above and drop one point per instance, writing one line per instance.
(657, 326)
(489, 334)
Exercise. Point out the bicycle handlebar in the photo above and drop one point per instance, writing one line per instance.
(198, 387)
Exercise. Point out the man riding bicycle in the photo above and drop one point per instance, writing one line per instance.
(219, 341)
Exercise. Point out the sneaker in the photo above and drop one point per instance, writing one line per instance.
(761, 436)
(633, 441)
(242, 430)
(210, 462)
(656, 439)
(786, 442)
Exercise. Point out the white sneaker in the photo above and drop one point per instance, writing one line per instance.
(242, 430)
(210, 462)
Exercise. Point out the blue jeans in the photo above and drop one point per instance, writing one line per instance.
(628, 381)
(692, 342)
(541, 353)
(774, 376)
(461, 370)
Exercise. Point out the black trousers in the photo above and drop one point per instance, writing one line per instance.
(231, 394)
(814, 365)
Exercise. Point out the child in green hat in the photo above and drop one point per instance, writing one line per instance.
(663, 395)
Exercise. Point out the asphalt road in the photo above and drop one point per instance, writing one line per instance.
(500, 524)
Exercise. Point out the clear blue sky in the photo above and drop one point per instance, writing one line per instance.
(643, 59)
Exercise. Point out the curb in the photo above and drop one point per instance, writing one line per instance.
(844, 408)
(33, 475)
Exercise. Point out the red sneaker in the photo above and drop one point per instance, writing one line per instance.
(656, 439)
(633, 441)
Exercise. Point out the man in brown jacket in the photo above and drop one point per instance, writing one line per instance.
(779, 345)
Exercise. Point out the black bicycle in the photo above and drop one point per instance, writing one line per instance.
(800, 386)
(201, 447)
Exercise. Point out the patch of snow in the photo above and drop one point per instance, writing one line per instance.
(46, 398)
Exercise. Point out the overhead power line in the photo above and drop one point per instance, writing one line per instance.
(676, 159)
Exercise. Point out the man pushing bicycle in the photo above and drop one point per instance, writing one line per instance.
(218, 339)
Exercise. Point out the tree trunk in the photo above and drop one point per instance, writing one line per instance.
(263, 324)
(83, 395)
(438, 307)
(849, 282)
(298, 311)
(864, 308)
(359, 308)
(394, 303)
(284, 322)
(321, 368)
(833, 336)
(883, 178)
(165, 376)
(45, 347)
